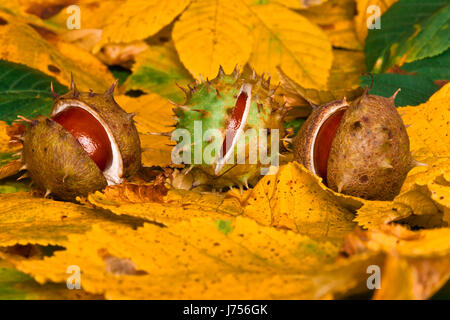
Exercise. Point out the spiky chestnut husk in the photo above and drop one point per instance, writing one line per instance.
(56, 161)
(364, 147)
(215, 103)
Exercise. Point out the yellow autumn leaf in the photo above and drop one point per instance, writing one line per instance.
(426, 243)
(430, 144)
(330, 12)
(348, 66)
(286, 39)
(428, 131)
(440, 193)
(17, 285)
(342, 35)
(337, 23)
(295, 4)
(153, 114)
(406, 278)
(203, 259)
(139, 19)
(378, 213)
(210, 34)
(94, 14)
(9, 152)
(414, 208)
(28, 219)
(5, 145)
(366, 14)
(343, 81)
(416, 264)
(57, 59)
(177, 205)
(30, 11)
(297, 200)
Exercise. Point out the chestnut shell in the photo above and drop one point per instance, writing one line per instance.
(369, 155)
(57, 162)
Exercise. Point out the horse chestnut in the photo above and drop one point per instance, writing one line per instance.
(89, 133)
(360, 149)
(89, 142)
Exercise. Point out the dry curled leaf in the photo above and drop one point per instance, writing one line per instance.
(177, 205)
(137, 193)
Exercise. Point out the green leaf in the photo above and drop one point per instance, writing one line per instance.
(11, 186)
(24, 91)
(120, 73)
(6, 157)
(295, 124)
(10, 280)
(159, 70)
(410, 30)
(415, 89)
(16, 285)
(435, 68)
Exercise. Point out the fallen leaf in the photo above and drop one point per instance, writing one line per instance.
(177, 205)
(159, 70)
(139, 19)
(342, 35)
(412, 279)
(153, 115)
(366, 15)
(15, 285)
(343, 82)
(421, 35)
(57, 59)
(28, 219)
(416, 264)
(249, 262)
(336, 11)
(286, 39)
(94, 14)
(29, 97)
(295, 199)
(210, 34)
(428, 133)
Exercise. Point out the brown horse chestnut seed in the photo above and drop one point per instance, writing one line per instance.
(89, 133)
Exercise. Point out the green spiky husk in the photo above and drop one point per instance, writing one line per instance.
(212, 102)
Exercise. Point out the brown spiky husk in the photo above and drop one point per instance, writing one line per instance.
(120, 123)
(370, 155)
(303, 142)
(57, 163)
